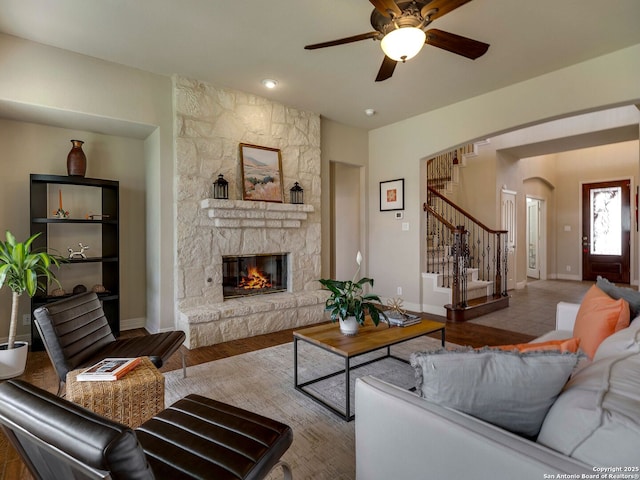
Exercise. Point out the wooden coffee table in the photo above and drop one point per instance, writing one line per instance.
(369, 339)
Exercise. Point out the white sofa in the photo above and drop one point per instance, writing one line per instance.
(402, 436)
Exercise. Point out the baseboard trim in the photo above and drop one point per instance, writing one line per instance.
(576, 278)
(133, 323)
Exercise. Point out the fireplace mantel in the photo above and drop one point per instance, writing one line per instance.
(243, 214)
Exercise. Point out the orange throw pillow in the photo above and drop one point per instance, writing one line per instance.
(598, 317)
(566, 345)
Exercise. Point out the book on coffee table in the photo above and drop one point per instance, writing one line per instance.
(402, 319)
(108, 370)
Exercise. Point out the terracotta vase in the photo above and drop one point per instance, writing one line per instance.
(76, 160)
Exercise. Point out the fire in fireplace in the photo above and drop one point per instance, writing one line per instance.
(254, 274)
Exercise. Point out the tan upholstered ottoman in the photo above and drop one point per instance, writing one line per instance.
(132, 400)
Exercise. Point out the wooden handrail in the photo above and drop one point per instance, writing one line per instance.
(462, 211)
(440, 218)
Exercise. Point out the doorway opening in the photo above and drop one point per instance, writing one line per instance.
(347, 221)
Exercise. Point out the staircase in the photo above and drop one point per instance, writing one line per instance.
(465, 260)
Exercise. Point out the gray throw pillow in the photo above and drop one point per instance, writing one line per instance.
(615, 292)
(509, 389)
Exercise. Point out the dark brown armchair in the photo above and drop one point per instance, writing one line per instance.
(76, 334)
(196, 437)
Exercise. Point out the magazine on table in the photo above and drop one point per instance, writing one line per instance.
(402, 319)
(109, 369)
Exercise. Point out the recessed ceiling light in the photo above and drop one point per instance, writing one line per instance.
(269, 83)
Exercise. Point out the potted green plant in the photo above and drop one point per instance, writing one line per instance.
(21, 269)
(349, 304)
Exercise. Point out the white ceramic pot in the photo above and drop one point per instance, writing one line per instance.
(349, 326)
(14, 361)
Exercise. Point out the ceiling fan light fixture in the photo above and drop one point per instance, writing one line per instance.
(403, 43)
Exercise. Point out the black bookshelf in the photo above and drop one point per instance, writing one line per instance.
(42, 217)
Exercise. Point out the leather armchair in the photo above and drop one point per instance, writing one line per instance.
(196, 437)
(76, 334)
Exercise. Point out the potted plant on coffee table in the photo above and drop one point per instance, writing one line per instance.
(349, 304)
(20, 270)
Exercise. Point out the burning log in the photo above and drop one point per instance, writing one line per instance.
(254, 280)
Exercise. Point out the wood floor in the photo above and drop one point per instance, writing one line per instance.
(40, 372)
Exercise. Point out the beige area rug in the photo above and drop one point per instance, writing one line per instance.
(262, 381)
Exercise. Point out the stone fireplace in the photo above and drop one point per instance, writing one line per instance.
(210, 124)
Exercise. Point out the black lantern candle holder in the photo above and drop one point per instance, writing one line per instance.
(297, 194)
(221, 188)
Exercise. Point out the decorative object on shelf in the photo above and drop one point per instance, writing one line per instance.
(221, 188)
(98, 289)
(261, 173)
(58, 292)
(61, 212)
(80, 253)
(297, 194)
(21, 269)
(349, 304)
(79, 289)
(392, 195)
(96, 216)
(76, 160)
(395, 305)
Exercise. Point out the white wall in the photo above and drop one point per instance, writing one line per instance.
(30, 148)
(346, 145)
(346, 219)
(394, 254)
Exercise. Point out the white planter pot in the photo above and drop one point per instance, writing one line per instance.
(349, 326)
(14, 361)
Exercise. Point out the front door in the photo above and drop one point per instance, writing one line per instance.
(606, 235)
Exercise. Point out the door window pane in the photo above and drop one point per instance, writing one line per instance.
(606, 221)
(533, 233)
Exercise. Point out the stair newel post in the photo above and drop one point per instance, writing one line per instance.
(498, 286)
(506, 264)
(465, 264)
(458, 267)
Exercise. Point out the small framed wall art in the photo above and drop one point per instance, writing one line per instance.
(392, 195)
(261, 173)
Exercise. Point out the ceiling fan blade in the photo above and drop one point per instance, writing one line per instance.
(456, 44)
(386, 69)
(341, 41)
(442, 7)
(385, 6)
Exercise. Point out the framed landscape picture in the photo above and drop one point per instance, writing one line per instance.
(261, 173)
(392, 195)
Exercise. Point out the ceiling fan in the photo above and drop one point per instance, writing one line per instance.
(400, 26)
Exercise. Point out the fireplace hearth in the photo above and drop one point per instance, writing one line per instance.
(245, 275)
